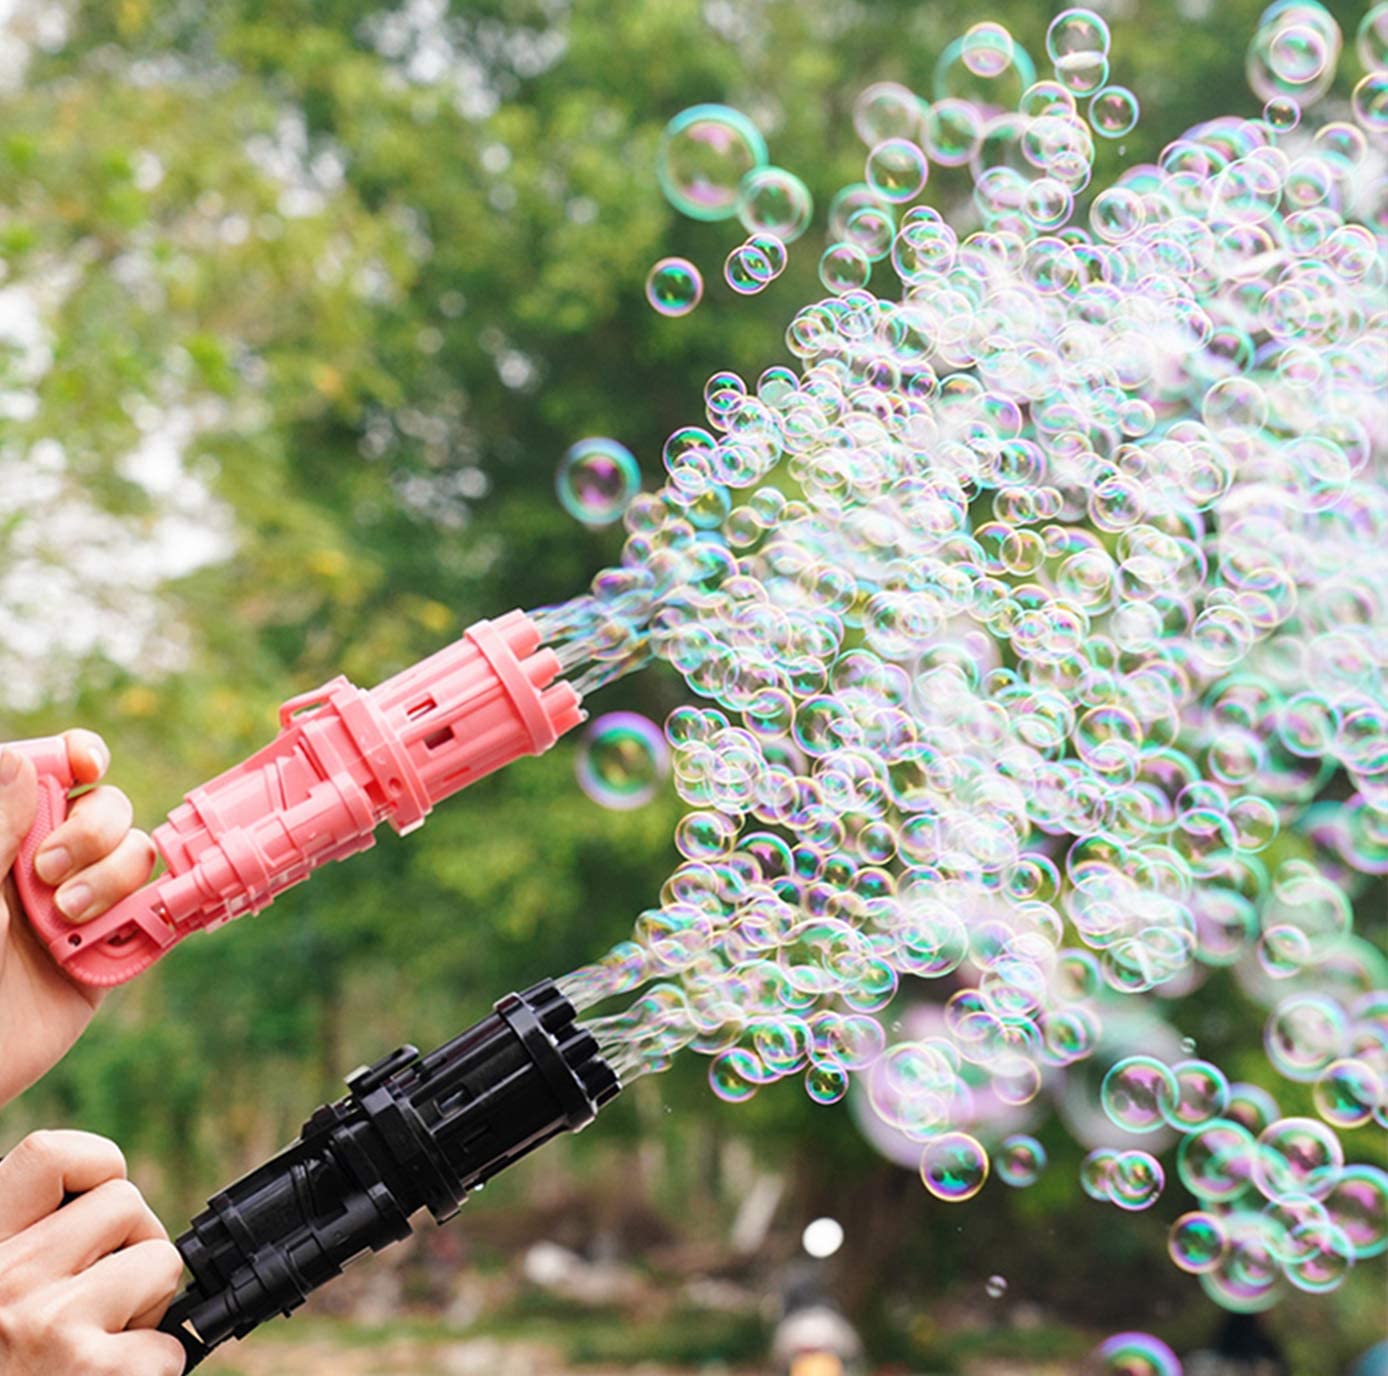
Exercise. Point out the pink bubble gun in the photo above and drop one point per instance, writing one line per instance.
(345, 760)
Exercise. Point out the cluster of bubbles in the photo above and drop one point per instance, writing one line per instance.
(1039, 615)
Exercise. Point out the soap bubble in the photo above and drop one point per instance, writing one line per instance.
(1076, 31)
(1347, 1092)
(1113, 112)
(1197, 1242)
(596, 479)
(1135, 1354)
(704, 154)
(987, 49)
(622, 760)
(1371, 38)
(995, 1287)
(1020, 1161)
(954, 1166)
(1370, 103)
(674, 286)
(897, 170)
(1139, 1093)
(1136, 1180)
(774, 201)
(1077, 43)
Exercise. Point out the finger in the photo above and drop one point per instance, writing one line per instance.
(96, 825)
(147, 1354)
(101, 886)
(44, 1167)
(137, 1281)
(88, 755)
(19, 796)
(94, 1225)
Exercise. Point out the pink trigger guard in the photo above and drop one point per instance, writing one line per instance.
(101, 966)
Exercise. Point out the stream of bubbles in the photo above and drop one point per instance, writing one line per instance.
(1039, 615)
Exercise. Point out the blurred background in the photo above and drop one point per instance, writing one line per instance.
(301, 301)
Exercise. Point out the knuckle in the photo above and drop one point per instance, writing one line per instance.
(41, 1149)
(124, 1198)
(166, 1265)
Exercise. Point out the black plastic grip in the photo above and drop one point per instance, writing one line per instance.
(412, 1132)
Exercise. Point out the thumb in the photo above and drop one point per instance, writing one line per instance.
(19, 800)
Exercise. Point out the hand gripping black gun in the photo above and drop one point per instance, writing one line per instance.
(412, 1132)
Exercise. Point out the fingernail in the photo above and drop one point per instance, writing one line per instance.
(9, 768)
(73, 901)
(53, 865)
(102, 754)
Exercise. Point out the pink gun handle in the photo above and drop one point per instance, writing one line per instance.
(344, 761)
(50, 758)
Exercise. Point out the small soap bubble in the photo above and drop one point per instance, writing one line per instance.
(1347, 1092)
(1136, 1180)
(897, 170)
(1369, 102)
(704, 154)
(995, 1287)
(774, 201)
(674, 286)
(1020, 1161)
(596, 479)
(954, 1166)
(622, 760)
(1113, 112)
(1135, 1354)
(987, 49)
(1138, 1093)
(747, 270)
(1197, 1242)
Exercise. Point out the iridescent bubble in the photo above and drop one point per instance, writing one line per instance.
(1113, 112)
(704, 154)
(1347, 1092)
(1323, 1257)
(996, 1287)
(1370, 103)
(1216, 1163)
(622, 760)
(748, 269)
(897, 170)
(1357, 1203)
(1135, 1354)
(826, 1082)
(674, 286)
(1139, 1093)
(1136, 1180)
(1371, 38)
(1282, 113)
(1297, 1156)
(1020, 1160)
(987, 49)
(774, 201)
(1077, 43)
(596, 479)
(734, 1075)
(843, 268)
(1197, 1242)
(954, 1166)
(1202, 1095)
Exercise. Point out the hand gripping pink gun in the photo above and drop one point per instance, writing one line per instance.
(344, 761)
